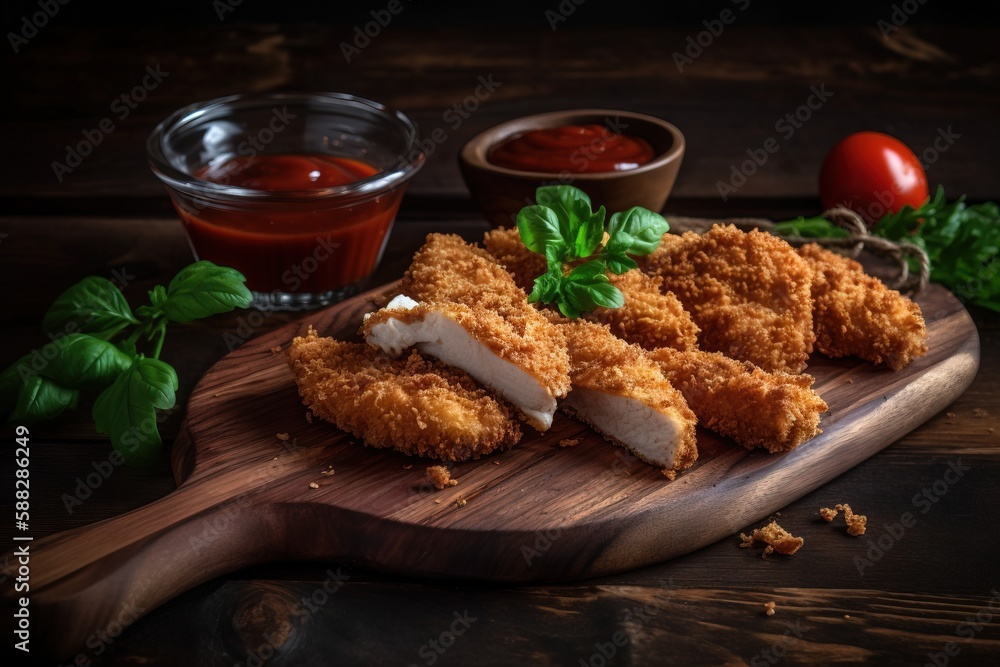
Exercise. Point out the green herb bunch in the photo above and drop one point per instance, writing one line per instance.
(99, 346)
(961, 241)
(563, 227)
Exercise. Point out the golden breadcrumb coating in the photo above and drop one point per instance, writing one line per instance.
(855, 314)
(603, 362)
(530, 342)
(412, 404)
(748, 292)
(856, 523)
(773, 411)
(775, 537)
(506, 247)
(650, 317)
(447, 269)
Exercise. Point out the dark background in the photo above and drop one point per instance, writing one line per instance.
(521, 14)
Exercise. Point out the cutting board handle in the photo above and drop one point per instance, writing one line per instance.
(89, 583)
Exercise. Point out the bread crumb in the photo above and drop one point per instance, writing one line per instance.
(275, 349)
(437, 502)
(950, 414)
(979, 412)
(460, 502)
(670, 474)
(775, 537)
(440, 477)
(309, 416)
(847, 615)
(328, 472)
(855, 522)
(769, 608)
(408, 466)
(281, 436)
(569, 442)
(313, 485)
(497, 462)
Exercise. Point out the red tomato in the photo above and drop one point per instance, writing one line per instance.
(872, 173)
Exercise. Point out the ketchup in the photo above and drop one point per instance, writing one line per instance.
(297, 245)
(579, 148)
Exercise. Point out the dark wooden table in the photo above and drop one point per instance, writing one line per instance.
(928, 595)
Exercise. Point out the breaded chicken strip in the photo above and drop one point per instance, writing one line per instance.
(412, 404)
(650, 317)
(624, 396)
(511, 357)
(773, 411)
(854, 313)
(464, 308)
(748, 292)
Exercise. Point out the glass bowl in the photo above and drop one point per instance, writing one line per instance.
(297, 191)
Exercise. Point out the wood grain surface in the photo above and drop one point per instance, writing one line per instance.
(539, 512)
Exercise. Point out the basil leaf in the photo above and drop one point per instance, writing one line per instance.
(581, 229)
(587, 288)
(539, 228)
(94, 305)
(11, 380)
(85, 362)
(637, 231)
(546, 288)
(126, 411)
(204, 289)
(40, 398)
(620, 263)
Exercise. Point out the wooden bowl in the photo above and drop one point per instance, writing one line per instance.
(501, 193)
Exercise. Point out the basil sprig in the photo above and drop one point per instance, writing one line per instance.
(563, 226)
(95, 347)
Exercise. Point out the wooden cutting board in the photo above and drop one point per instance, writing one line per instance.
(537, 512)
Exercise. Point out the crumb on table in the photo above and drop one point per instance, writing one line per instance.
(281, 436)
(313, 485)
(440, 477)
(775, 537)
(569, 442)
(460, 502)
(769, 608)
(855, 522)
(275, 349)
(309, 416)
